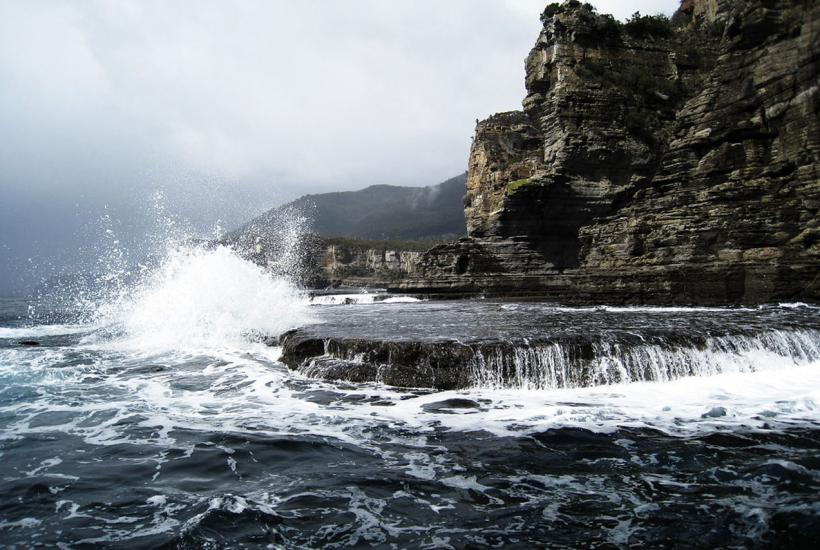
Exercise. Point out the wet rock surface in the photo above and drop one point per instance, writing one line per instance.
(463, 344)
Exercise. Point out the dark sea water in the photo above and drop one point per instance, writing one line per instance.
(161, 421)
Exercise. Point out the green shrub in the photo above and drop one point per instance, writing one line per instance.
(353, 271)
(549, 11)
(607, 25)
(642, 26)
(634, 78)
(514, 186)
(556, 7)
(386, 244)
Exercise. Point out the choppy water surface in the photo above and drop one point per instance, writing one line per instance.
(164, 423)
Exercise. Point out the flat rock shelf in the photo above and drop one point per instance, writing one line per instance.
(490, 344)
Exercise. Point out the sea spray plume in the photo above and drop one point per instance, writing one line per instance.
(208, 297)
(280, 241)
(76, 296)
(176, 291)
(94, 292)
(194, 293)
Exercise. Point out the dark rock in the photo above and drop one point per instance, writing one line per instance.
(591, 349)
(406, 364)
(714, 412)
(450, 405)
(679, 168)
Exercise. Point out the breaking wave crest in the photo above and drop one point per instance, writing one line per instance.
(174, 291)
(201, 298)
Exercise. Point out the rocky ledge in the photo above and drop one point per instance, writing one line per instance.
(653, 162)
(536, 346)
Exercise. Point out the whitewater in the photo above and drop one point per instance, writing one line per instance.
(160, 415)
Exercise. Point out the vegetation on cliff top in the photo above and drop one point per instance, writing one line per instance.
(642, 26)
(557, 7)
(638, 26)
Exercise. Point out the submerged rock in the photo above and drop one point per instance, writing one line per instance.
(715, 412)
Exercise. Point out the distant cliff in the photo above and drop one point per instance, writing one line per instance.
(360, 263)
(323, 262)
(654, 161)
(371, 237)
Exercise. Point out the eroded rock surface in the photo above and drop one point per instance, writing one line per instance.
(482, 343)
(661, 165)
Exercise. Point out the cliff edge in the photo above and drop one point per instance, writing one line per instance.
(654, 161)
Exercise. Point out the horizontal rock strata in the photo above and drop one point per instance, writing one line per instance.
(651, 165)
(541, 362)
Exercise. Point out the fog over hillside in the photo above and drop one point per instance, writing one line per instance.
(376, 212)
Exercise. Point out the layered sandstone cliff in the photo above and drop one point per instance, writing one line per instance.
(350, 263)
(651, 163)
(323, 262)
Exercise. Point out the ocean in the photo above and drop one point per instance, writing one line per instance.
(152, 414)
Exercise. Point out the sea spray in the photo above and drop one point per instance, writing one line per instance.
(206, 297)
(276, 241)
(178, 291)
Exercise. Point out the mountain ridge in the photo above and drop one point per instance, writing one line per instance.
(376, 212)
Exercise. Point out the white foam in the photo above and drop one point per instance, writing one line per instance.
(338, 299)
(246, 392)
(43, 330)
(203, 299)
(25, 523)
(157, 500)
(362, 298)
(645, 309)
(663, 309)
(775, 397)
(401, 300)
(796, 305)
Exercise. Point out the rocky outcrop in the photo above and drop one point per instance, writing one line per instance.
(350, 263)
(651, 163)
(540, 348)
(322, 262)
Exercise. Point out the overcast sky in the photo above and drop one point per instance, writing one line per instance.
(233, 107)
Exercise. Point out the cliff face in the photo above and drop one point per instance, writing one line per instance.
(351, 264)
(651, 164)
(322, 262)
(372, 237)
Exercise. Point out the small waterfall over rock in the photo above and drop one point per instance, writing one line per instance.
(543, 347)
(582, 364)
